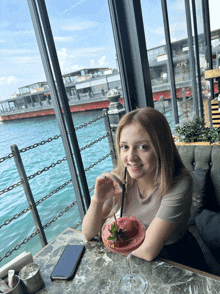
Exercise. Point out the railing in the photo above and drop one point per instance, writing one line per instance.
(184, 106)
(24, 182)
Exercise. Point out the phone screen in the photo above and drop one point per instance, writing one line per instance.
(68, 262)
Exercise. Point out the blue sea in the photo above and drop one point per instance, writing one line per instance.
(26, 132)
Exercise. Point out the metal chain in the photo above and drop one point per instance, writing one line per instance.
(46, 168)
(76, 225)
(39, 144)
(90, 190)
(32, 176)
(11, 187)
(10, 155)
(17, 215)
(90, 122)
(97, 162)
(53, 192)
(94, 142)
(16, 247)
(59, 215)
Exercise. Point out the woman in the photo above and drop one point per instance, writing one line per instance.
(158, 190)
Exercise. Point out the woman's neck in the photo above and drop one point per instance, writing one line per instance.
(146, 187)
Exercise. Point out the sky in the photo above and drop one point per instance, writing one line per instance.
(83, 36)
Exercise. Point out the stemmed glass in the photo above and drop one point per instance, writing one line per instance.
(128, 238)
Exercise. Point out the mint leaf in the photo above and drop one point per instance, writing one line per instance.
(112, 238)
(116, 233)
(114, 229)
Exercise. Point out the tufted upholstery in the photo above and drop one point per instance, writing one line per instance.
(196, 157)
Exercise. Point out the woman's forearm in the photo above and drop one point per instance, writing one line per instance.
(92, 221)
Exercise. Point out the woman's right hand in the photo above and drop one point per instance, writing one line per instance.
(107, 186)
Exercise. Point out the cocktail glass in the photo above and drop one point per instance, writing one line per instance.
(132, 282)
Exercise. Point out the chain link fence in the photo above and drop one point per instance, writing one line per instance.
(19, 183)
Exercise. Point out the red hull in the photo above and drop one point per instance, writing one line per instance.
(46, 112)
(95, 105)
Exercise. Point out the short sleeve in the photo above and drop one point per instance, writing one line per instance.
(175, 205)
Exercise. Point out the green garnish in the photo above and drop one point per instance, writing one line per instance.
(117, 234)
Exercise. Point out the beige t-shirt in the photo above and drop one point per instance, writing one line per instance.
(173, 207)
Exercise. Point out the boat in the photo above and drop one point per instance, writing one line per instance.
(87, 88)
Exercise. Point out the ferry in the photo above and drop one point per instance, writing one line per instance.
(87, 88)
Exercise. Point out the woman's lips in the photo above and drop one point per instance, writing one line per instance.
(135, 167)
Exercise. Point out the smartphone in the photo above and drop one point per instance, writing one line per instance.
(68, 262)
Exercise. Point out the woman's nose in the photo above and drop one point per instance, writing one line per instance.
(132, 155)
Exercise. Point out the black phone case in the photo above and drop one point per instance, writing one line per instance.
(68, 256)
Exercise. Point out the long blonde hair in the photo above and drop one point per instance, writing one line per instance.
(170, 165)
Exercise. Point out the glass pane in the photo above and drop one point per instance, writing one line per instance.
(86, 51)
(157, 57)
(85, 46)
(22, 74)
(181, 58)
(160, 79)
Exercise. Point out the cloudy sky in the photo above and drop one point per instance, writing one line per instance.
(83, 36)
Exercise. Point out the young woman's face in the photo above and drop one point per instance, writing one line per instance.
(137, 152)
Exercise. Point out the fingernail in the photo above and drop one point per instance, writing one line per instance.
(104, 177)
(115, 178)
(124, 182)
(121, 186)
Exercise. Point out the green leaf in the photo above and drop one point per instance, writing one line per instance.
(112, 238)
(114, 229)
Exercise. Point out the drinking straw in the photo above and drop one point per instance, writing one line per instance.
(123, 192)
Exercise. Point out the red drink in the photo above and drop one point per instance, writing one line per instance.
(129, 236)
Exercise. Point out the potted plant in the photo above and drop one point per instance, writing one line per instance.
(195, 131)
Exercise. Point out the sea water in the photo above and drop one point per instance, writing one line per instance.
(26, 132)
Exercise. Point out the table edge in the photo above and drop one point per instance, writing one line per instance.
(74, 230)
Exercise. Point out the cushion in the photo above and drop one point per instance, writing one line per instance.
(208, 224)
(203, 194)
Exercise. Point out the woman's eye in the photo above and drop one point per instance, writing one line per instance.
(144, 147)
(124, 147)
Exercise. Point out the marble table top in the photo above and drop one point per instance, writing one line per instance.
(100, 271)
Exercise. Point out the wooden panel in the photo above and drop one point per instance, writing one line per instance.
(206, 113)
(213, 73)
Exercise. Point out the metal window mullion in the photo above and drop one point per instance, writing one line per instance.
(197, 57)
(119, 53)
(206, 19)
(170, 61)
(191, 57)
(56, 104)
(128, 30)
(64, 100)
(208, 41)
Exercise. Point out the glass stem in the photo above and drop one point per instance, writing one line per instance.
(129, 264)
